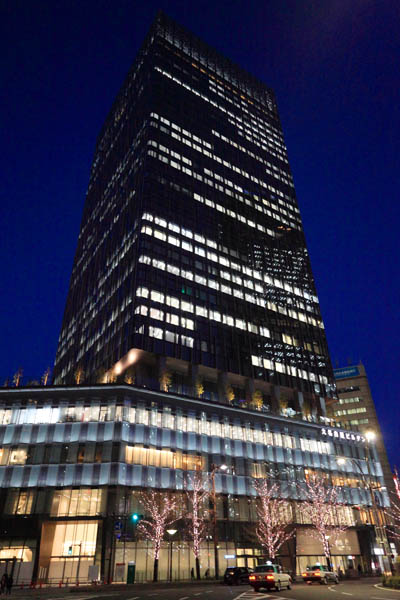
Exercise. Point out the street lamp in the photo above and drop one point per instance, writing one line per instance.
(170, 532)
(370, 435)
(214, 469)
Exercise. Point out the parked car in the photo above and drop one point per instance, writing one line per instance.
(320, 574)
(237, 575)
(269, 576)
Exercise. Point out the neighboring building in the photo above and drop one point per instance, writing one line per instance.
(72, 460)
(356, 409)
(192, 336)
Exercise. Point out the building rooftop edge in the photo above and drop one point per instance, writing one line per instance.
(164, 19)
(167, 396)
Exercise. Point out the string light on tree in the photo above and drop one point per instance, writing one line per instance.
(273, 516)
(394, 517)
(197, 526)
(160, 512)
(322, 509)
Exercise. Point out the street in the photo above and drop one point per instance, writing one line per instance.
(352, 590)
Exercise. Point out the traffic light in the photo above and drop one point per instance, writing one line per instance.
(70, 550)
(136, 518)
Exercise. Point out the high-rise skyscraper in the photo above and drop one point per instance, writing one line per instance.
(193, 334)
(191, 249)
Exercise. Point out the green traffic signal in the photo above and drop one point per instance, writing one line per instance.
(135, 517)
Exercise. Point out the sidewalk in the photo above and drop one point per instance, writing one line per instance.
(53, 591)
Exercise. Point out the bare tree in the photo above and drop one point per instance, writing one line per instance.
(46, 376)
(160, 512)
(323, 509)
(393, 516)
(274, 517)
(18, 377)
(197, 524)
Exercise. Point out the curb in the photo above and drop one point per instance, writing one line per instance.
(140, 586)
(387, 589)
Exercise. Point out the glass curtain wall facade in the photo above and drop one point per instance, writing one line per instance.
(74, 459)
(191, 268)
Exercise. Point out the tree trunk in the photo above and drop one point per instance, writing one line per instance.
(155, 570)
(197, 567)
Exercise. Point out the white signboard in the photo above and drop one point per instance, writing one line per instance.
(94, 574)
(343, 435)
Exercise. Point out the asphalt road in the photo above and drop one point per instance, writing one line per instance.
(353, 590)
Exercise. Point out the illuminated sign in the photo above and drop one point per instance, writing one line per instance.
(346, 372)
(343, 435)
(230, 555)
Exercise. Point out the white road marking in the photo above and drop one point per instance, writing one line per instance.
(134, 598)
(346, 594)
(378, 597)
(184, 598)
(87, 597)
(252, 595)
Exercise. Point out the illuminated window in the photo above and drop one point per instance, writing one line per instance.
(163, 458)
(187, 306)
(157, 296)
(155, 313)
(72, 503)
(19, 552)
(173, 319)
(18, 456)
(156, 332)
(171, 337)
(187, 341)
(187, 323)
(19, 502)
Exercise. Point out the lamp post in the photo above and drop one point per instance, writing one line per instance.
(214, 469)
(170, 532)
(370, 436)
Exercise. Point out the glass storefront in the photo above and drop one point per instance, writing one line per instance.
(67, 550)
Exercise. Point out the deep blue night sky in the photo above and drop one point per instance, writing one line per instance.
(334, 65)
